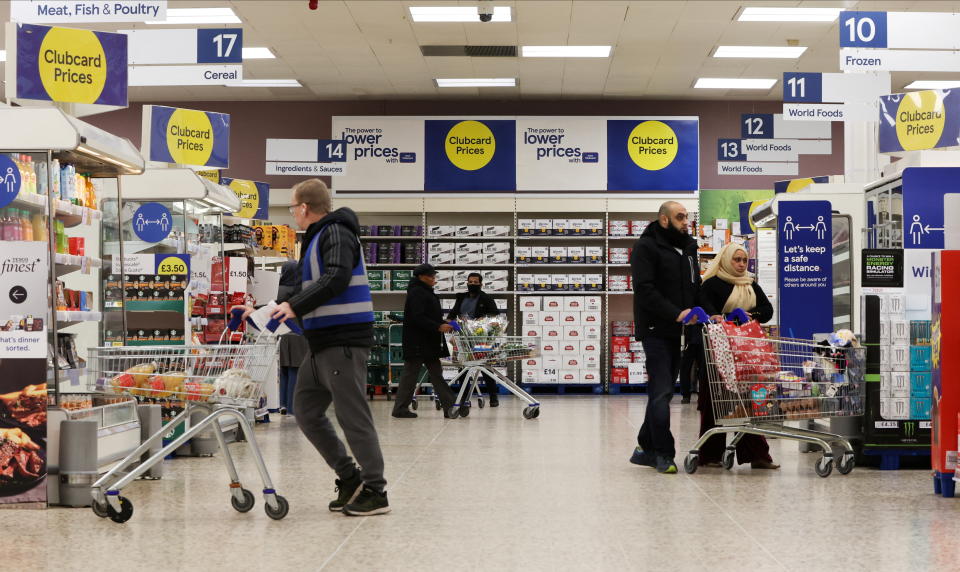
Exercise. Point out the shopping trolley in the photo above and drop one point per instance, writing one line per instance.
(218, 380)
(483, 354)
(759, 384)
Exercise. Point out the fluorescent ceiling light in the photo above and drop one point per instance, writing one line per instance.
(759, 51)
(258, 54)
(933, 84)
(264, 83)
(733, 83)
(770, 14)
(456, 14)
(3, 55)
(198, 16)
(565, 51)
(477, 82)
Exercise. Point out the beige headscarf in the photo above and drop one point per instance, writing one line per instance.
(743, 295)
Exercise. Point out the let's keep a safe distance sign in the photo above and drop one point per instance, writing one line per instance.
(67, 65)
(186, 136)
(919, 120)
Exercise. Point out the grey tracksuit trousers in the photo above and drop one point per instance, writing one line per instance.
(338, 375)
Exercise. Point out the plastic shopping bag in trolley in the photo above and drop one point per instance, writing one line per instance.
(742, 355)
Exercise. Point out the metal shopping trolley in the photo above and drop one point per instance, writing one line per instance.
(483, 354)
(757, 384)
(219, 380)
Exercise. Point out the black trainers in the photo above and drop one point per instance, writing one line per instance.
(494, 401)
(641, 457)
(368, 503)
(404, 414)
(666, 465)
(346, 491)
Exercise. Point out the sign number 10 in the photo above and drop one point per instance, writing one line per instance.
(229, 39)
(862, 30)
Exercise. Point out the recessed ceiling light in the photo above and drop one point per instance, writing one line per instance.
(258, 54)
(933, 84)
(770, 14)
(477, 82)
(565, 51)
(759, 51)
(456, 14)
(733, 83)
(198, 16)
(265, 83)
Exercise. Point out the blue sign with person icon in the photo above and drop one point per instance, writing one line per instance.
(9, 180)
(805, 248)
(152, 222)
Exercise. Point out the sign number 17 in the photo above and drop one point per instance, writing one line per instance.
(229, 39)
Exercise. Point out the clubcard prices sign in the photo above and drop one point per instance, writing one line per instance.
(653, 154)
(919, 120)
(254, 197)
(470, 155)
(186, 136)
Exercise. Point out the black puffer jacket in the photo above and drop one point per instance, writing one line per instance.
(422, 316)
(486, 306)
(665, 282)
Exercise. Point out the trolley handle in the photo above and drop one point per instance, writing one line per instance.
(696, 312)
(274, 323)
(236, 319)
(739, 314)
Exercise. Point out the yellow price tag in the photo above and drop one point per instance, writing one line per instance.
(171, 265)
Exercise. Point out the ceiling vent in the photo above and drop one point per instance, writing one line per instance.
(470, 51)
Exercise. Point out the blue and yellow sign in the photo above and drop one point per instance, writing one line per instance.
(254, 197)
(919, 120)
(470, 155)
(653, 155)
(795, 185)
(188, 136)
(173, 265)
(71, 66)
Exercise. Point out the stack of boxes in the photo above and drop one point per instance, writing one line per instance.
(446, 230)
(456, 280)
(393, 252)
(469, 253)
(895, 366)
(389, 280)
(569, 330)
(627, 227)
(921, 377)
(559, 227)
(627, 360)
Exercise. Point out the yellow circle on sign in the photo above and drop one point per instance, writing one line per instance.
(190, 137)
(470, 145)
(920, 120)
(652, 145)
(249, 197)
(798, 184)
(72, 65)
(172, 265)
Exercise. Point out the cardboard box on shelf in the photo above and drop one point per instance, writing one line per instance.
(570, 318)
(441, 230)
(721, 224)
(524, 254)
(552, 303)
(577, 282)
(618, 255)
(497, 285)
(590, 347)
(593, 303)
(543, 282)
(561, 226)
(638, 226)
(496, 258)
(899, 384)
(591, 361)
(469, 248)
(495, 247)
(526, 282)
(469, 230)
(554, 333)
(593, 254)
(636, 346)
(543, 227)
(577, 226)
(561, 282)
(569, 375)
(550, 347)
(619, 283)
(502, 304)
(895, 408)
(539, 254)
(621, 360)
(618, 228)
(897, 306)
(920, 407)
(621, 328)
(594, 226)
(526, 226)
(531, 318)
(573, 303)
(441, 258)
(450, 247)
(592, 333)
(593, 282)
(900, 331)
(921, 384)
(490, 275)
(591, 318)
(532, 331)
(920, 358)
(619, 375)
(572, 361)
(900, 358)
(886, 384)
(558, 254)
(576, 254)
(532, 363)
(496, 230)
(550, 317)
(572, 332)
(619, 344)
(590, 375)
(472, 258)
(531, 303)
(528, 375)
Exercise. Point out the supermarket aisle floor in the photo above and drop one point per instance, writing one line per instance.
(495, 492)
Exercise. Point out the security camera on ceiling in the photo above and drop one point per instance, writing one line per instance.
(485, 11)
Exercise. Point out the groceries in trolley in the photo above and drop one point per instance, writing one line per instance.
(165, 379)
(483, 340)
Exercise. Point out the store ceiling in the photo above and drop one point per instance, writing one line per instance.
(366, 49)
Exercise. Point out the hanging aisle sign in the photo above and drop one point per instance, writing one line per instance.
(316, 157)
(906, 30)
(832, 96)
(186, 136)
(74, 12)
(805, 251)
(919, 120)
(254, 197)
(208, 56)
(66, 65)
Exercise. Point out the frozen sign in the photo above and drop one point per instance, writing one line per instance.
(152, 222)
(560, 153)
(806, 268)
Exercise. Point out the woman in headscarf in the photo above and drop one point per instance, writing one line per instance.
(727, 286)
(293, 347)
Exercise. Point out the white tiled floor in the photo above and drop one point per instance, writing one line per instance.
(497, 492)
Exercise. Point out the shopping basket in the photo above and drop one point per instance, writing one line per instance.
(483, 354)
(758, 383)
(218, 380)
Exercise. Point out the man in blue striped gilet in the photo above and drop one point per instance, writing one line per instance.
(336, 309)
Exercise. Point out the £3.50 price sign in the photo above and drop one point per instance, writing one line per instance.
(173, 265)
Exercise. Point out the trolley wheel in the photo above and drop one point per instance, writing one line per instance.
(453, 412)
(283, 507)
(727, 460)
(846, 464)
(824, 466)
(480, 402)
(414, 405)
(126, 510)
(246, 504)
(531, 412)
(99, 510)
(465, 410)
(690, 463)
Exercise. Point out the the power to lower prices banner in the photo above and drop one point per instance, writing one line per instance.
(919, 120)
(186, 136)
(805, 250)
(66, 65)
(560, 153)
(653, 154)
(254, 197)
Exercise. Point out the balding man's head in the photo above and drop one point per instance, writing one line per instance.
(673, 214)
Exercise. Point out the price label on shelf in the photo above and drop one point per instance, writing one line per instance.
(84, 264)
(172, 265)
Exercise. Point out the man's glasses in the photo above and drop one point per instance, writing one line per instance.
(292, 208)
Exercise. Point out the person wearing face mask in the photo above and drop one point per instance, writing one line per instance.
(666, 284)
(475, 303)
(727, 286)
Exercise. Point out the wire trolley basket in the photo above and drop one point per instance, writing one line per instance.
(215, 380)
(481, 355)
(757, 384)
